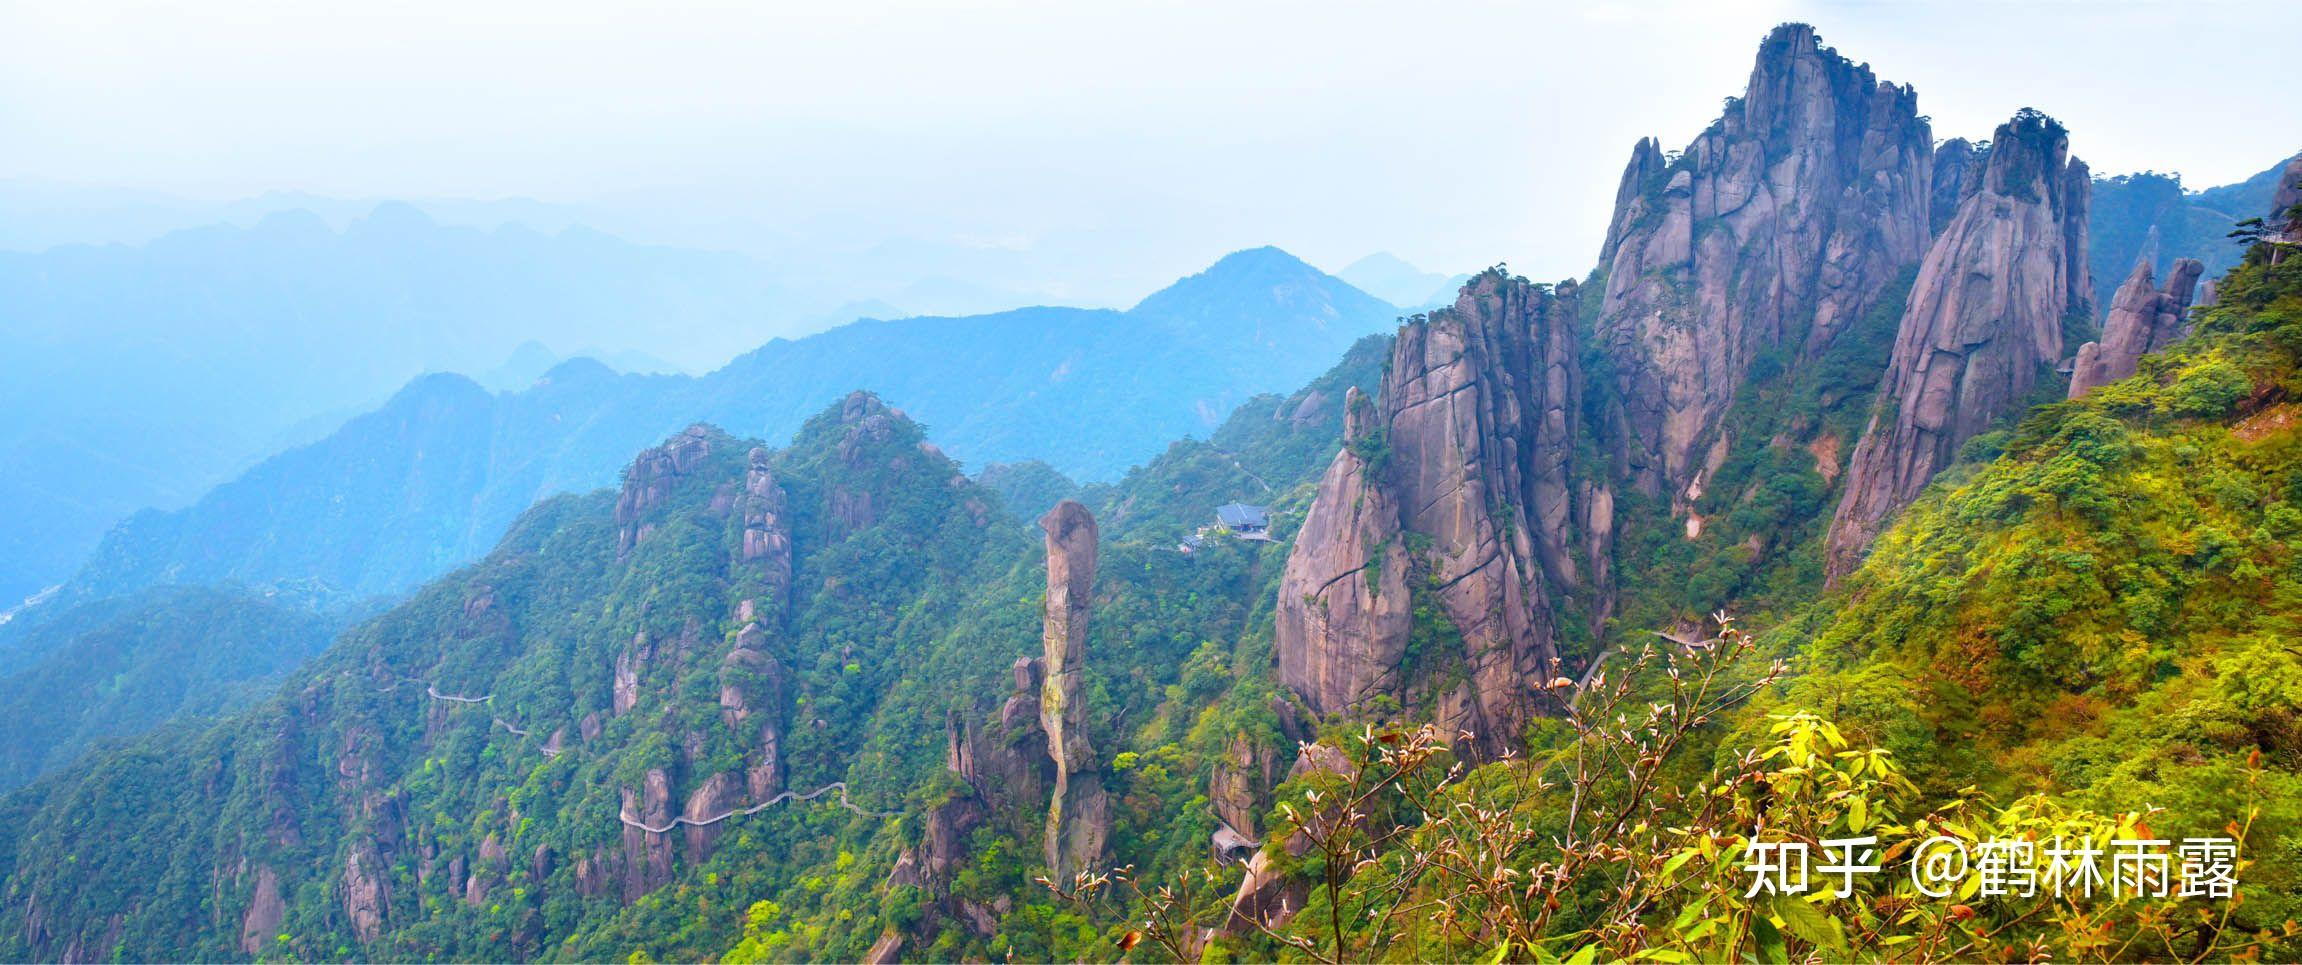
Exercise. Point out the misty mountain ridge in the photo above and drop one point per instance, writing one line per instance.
(800, 689)
(169, 366)
(2153, 216)
(1393, 279)
(430, 479)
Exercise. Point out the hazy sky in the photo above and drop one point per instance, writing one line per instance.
(1160, 134)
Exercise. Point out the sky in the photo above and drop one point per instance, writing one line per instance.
(1112, 144)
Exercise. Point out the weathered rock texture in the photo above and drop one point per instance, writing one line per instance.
(1457, 481)
(1343, 614)
(1957, 173)
(766, 531)
(1983, 322)
(1268, 896)
(649, 482)
(752, 698)
(1775, 228)
(1005, 770)
(367, 892)
(647, 856)
(265, 910)
(2284, 197)
(1241, 783)
(2142, 319)
(1078, 812)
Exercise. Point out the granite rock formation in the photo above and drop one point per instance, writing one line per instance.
(649, 482)
(1780, 224)
(1005, 771)
(1078, 811)
(1457, 483)
(1957, 173)
(766, 534)
(1343, 612)
(1982, 326)
(2283, 199)
(1241, 784)
(2143, 318)
(2284, 222)
(647, 855)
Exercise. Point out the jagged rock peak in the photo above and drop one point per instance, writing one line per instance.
(1468, 452)
(1078, 813)
(1780, 224)
(766, 525)
(649, 481)
(1645, 166)
(877, 450)
(2285, 197)
(866, 420)
(1957, 165)
(2143, 318)
(860, 406)
(1983, 322)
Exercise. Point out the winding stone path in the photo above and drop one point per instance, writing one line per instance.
(840, 786)
(433, 691)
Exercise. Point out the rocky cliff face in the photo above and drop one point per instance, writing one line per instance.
(1005, 770)
(1957, 173)
(647, 485)
(2143, 319)
(1343, 611)
(1775, 228)
(2285, 197)
(1982, 326)
(1457, 483)
(766, 534)
(752, 681)
(1078, 814)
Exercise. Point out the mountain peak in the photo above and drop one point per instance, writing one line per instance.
(580, 369)
(1265, 274)
(1268, 260)
(1398, 281)
(393, 223)
(438, 388)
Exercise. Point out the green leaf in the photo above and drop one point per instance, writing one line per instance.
(1771, 949)
(1677, 860)
(1858, 815)
(1803, 920)
(1584, 955)
(1501, 953)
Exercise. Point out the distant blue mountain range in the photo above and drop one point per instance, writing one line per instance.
(431, 479)
(141, 375)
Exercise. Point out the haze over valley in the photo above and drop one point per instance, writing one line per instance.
(1170, 482)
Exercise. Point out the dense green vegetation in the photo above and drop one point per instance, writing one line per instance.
(912, 591)
(1764, 512)
(123, 666)
(485, 846)
(1029, 487)
(2083, 628)
(2107, 612)
(1267, 452)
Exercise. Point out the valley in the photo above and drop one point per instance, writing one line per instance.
(1869, 486)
